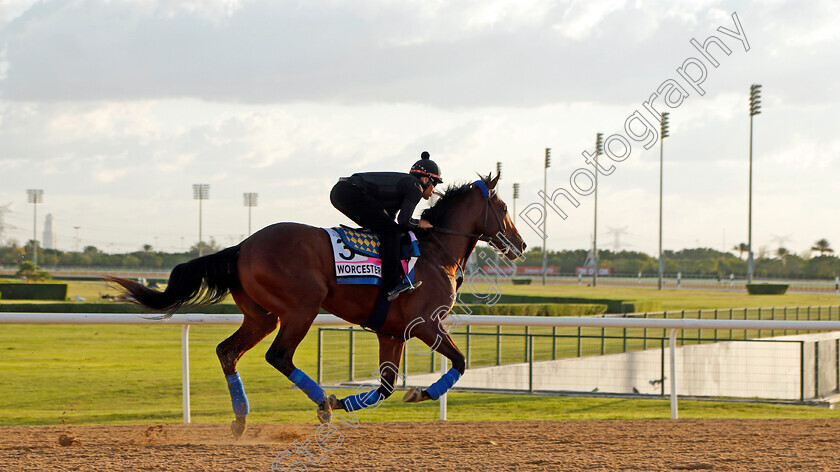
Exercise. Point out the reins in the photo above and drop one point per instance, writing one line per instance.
(479, 237)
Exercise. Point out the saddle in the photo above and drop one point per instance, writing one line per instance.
(366, 242)
(356, 256)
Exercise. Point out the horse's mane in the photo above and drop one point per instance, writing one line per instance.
(437, 213)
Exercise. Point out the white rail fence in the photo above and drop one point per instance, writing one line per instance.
(186, 320)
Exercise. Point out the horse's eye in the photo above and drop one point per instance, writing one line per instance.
(504, 208)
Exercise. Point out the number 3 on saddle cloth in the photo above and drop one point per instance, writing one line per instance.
(356, 255)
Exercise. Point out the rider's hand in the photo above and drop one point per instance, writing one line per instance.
(424, 224)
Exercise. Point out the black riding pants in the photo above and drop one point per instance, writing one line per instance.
(367, 212)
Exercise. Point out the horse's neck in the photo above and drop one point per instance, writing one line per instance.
(447, 250)
(453, 249)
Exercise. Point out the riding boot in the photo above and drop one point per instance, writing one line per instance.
(402, 288)
(394, 281)
(389, 253)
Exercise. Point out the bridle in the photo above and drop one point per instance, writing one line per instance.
(483, 236)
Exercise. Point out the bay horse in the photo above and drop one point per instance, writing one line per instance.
(282, 275)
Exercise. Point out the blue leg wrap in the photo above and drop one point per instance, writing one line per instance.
(309, 387)
(237, 395)
(443, 384)
(361, 400)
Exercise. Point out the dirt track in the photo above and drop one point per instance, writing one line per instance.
(646, 445)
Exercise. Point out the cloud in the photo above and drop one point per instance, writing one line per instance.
(444, 54)
(581, 19)
(116, 105)
(109, 175)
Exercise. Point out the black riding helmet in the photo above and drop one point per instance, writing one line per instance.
(426, 167)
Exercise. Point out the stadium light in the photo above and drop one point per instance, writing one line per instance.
(515, 196)
(755, 109)
(599, 149)
(545, 215)
(250, 200)
(663, 133)
(36, 196)
(201, 192)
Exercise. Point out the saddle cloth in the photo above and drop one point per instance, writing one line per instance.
(356, 255)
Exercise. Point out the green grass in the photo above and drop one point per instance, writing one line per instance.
(91, 291)
(131, 374)
(671, 299)
(111, 374)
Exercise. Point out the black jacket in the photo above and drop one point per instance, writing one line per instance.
(396, 191)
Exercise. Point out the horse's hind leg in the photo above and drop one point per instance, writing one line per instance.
(295, 297)
(258, 323)
(281, 353)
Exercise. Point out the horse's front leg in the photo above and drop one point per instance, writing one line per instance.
(390, 351)
(442, 343)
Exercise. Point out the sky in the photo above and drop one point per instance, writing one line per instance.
(116, 108)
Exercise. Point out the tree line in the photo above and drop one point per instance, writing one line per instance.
(690, 262)
(703, 262)
(13, 255)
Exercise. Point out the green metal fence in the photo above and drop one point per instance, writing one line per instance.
(348, 354)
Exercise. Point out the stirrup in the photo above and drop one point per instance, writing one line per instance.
(402, 288)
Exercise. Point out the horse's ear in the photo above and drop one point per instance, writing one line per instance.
(492, 181)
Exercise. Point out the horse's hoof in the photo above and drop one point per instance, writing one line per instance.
(325, 409)
(238, 427)
(413, 395)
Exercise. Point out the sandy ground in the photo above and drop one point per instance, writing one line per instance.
(645, 445)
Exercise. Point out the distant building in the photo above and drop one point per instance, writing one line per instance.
(49, 239)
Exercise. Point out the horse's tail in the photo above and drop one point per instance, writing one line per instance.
(202, 281)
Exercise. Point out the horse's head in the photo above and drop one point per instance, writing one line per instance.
(496, 223)
(475, 210)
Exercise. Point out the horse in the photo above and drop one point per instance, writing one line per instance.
(282, 275)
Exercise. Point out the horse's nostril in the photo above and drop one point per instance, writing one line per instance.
(524, 246)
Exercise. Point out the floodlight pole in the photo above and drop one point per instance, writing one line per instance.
(77, 237)
(250, 202)
(497, 260)
(515, 196)
(599, 149)
(35, 196)
(755, 109)
(662, 136)
(545, 215)
(201, 192)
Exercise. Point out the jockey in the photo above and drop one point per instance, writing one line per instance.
(372, 200)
